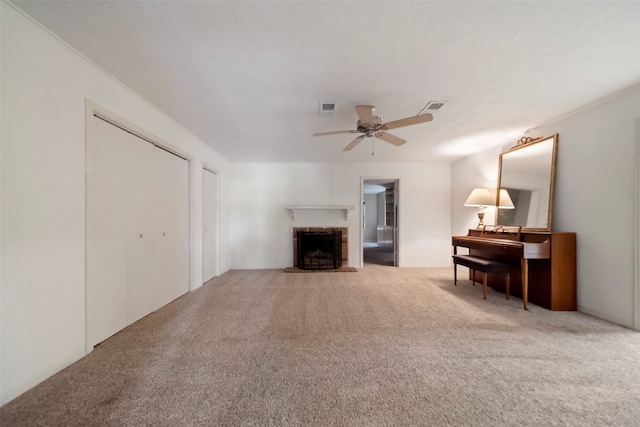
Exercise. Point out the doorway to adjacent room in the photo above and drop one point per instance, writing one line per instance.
(379, 222)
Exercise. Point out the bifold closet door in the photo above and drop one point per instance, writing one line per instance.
(137, 229)
(158, 199)
(147, 260)
(172, 213)
(106, 231)
(209, 225)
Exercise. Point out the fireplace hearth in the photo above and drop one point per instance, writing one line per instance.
(319, 248)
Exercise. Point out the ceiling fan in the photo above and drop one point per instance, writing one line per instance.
(372, 126)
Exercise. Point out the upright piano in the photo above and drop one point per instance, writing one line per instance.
(546, 262)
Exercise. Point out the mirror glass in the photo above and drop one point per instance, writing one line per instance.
(527, 173)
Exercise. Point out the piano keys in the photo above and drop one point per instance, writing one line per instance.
(547, 263)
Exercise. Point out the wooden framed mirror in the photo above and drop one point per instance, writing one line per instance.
(527, 172)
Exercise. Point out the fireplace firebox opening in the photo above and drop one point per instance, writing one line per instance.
(319, 250)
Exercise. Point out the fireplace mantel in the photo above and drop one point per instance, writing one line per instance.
(293, 209)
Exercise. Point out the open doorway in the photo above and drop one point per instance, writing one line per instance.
(380, 221)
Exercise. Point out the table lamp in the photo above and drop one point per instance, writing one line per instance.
(480, 197)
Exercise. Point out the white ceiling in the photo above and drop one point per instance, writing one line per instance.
(248, 77)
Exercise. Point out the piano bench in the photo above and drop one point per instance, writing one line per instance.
(484, 265)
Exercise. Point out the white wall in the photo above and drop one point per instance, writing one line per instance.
(44, 88)
(260, 230)
(596, 195)
(476, 171)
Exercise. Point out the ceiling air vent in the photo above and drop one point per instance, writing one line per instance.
(432, 106)
(435, 105)
(327, 107)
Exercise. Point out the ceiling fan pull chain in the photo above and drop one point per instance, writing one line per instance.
(372, 153)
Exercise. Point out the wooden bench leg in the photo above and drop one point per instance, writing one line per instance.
(506, 285)
(455, 274)
(484, 284)
(525, 283)
(473, 277)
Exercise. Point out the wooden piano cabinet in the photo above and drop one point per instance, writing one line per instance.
(553, 281)
(564, 279)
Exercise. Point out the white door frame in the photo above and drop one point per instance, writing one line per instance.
(217, 225)
(636, 284)
(361, 211)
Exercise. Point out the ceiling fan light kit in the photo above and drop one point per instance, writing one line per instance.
(372, 126)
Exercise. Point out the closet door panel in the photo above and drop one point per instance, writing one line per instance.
(106, 231)
(143, 228)
(166, 234)
(181, 226)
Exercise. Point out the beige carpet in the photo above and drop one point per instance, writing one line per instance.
(385, 346)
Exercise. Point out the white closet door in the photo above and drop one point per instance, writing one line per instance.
(137, 229)
(180, 226)
(209, 225)
(164, 190)
(144, 228)
(106, 231)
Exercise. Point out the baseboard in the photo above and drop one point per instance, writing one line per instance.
(8, 394)
(606, 317)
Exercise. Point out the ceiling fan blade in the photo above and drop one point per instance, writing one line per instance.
(335, 132)
(391, 139)
(365, 114)
(407, 121)
(353, 143)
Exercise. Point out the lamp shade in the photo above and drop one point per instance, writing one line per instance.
(480, 197)
(504, 201)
